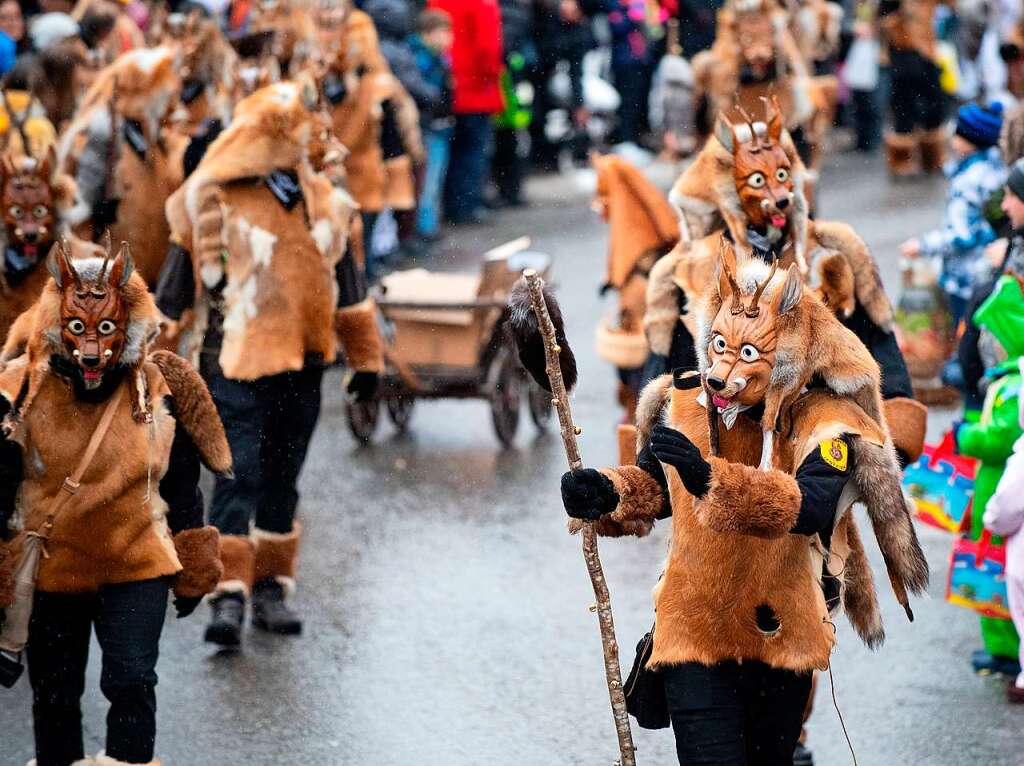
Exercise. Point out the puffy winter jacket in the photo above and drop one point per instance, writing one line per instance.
(476, 54)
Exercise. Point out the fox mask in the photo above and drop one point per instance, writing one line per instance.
(741, 353)
(761, 169)
(93, 309)
(753, 29)
(28, 201)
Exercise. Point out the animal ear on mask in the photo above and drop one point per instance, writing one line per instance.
(773, 116)
(123, 267)
(60, 268)
(791, 292)
(47, 168)
(727, 286)
(723, 132)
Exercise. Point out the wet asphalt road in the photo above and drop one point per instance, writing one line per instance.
(446, 607)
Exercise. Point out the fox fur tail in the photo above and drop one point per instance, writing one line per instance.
(525, 333)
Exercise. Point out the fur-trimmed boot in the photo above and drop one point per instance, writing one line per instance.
(227, 603)
(84, 762)
(933, 150)
(899, 154)
(105, 760)
(274, 581)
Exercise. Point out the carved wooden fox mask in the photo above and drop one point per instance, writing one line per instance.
(94, 310)
(761, 169)
(28, 201)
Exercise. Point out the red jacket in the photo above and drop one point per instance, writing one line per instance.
(476, 54)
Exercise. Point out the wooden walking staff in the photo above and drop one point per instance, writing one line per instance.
(560, 401)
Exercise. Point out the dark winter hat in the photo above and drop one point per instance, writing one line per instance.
(1015, 181)
(980, 124)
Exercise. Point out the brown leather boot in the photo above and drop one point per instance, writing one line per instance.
(899, 154)
(933, 150)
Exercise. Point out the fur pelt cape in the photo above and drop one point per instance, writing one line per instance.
(732, 559)
(274, 267)
(16, 298)
(114, 529)
(139, 86)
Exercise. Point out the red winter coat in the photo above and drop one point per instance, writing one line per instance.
(476, 54)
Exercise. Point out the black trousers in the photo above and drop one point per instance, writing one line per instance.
(269, 423)
(734, 714)
(128, 619)
(916, 96)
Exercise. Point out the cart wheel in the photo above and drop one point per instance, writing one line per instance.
(539, 402)
(506, 399)
(400, 410)
(362, 419)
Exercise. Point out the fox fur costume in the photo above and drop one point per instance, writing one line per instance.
(836, 261)
(208, 70)
(121, 151)
(732, 555)
(115, 530)
(641, 228)
(295, 38)
(755, 37)
(277, 266)
(36, 200)
(377, 121)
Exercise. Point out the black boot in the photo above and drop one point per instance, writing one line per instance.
(270, 612)
(225, 628)
(802, 756)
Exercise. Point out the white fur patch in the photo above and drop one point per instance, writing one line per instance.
(147, 59)
(241, 301)
(261, 244)
(211, 274)
(323, 235)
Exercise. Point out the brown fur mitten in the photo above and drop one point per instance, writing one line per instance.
(201, 569)
(640, 500)
(356, 326)
(748, 501)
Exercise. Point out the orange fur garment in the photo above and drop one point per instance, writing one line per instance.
(276, 554)
(357, 330)
(908, 421)
(237, 554)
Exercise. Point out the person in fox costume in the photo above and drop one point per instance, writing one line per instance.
(764, 548)
(261, 279)
(120, 528)
(748, 181)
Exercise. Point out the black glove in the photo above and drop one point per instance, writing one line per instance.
(588, 494)
(185, 605)
(674, 449)
(362, 386)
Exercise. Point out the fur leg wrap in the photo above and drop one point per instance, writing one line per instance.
(899, 153)
(199, 554)
(276, 554)
(933, 150)
(640, 500)
(908, 421)
(83, 762)
(237, 554)
(105, 760)
(356, 326)
(744, 500)
(8, 563)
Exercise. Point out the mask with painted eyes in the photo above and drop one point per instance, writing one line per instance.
(762, 170)
(743, 342)
(27, 202)
(93, 311)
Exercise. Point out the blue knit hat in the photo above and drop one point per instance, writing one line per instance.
(980, 124)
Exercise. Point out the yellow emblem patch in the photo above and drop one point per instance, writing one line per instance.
(835, 453)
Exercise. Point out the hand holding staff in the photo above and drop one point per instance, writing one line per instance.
(557, 357)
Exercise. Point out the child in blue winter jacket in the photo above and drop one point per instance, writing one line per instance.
(976, 172)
